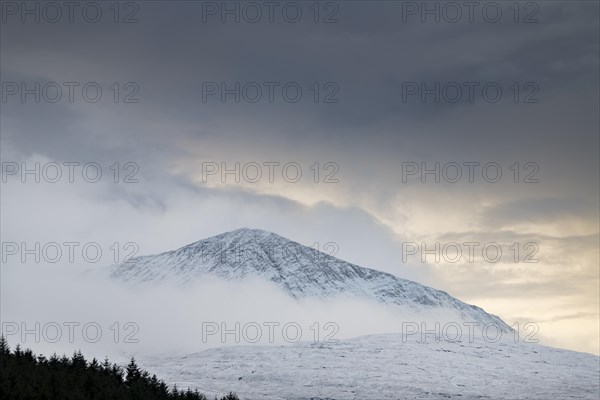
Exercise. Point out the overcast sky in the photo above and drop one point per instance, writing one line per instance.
(366, 115)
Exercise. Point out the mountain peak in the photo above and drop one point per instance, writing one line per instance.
(298, 270)
(242, 243)
(248, 233)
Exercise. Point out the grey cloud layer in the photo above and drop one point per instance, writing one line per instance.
(369, 133)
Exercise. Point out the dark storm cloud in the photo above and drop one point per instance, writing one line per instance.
(369, 54)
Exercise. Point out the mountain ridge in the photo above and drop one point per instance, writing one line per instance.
(300, 271)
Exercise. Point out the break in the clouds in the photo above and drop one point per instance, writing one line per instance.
(361, 110)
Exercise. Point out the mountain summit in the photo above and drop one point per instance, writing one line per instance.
(298, 270)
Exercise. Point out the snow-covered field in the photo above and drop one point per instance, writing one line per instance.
(390, 366)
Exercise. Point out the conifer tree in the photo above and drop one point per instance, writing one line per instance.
(18, 351)
(4, 347)
(78, 360)
(132, 373)
(106, 365)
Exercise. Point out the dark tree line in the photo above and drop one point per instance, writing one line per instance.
(25, 376)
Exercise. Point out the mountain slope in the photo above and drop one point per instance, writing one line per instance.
(298, 270)
(389, 366)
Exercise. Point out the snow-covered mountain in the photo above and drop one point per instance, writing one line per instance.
(403, 365)
(298, 270)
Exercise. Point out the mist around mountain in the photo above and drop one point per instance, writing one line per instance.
(299, 271)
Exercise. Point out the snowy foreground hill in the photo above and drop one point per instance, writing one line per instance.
(389, 366)
(300, 271)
